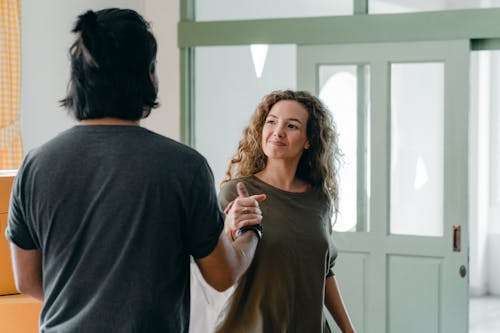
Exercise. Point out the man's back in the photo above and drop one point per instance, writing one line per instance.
(116, 212)
(103, 218)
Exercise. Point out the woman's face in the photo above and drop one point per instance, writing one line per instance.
(284, 135)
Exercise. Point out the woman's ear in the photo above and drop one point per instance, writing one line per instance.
(307, 145)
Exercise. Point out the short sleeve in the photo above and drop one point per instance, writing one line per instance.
(332, 249)
(204, 218)
(17, 230)
(331, 260)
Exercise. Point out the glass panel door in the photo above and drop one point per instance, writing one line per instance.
(345, 91)
(407, 139)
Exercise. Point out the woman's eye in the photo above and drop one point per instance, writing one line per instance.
(292, 126)
(270, 121)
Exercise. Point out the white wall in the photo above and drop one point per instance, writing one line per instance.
(484, 172)
(478, 171)
(493, 204)
(164, 16)
(46, 38)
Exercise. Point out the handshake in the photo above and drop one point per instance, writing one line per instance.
(243, 214)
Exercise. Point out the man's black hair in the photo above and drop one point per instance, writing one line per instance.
(112, 66)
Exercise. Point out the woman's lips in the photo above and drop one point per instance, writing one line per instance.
(277, 143)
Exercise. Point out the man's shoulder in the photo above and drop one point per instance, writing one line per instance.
(166, 143)
(137, 135)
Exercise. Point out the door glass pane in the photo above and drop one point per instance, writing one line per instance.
(345, 90)
(230, 83)
(223, 10)
(407, 6)
(417, 134)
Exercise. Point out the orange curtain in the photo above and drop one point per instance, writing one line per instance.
(11, 148)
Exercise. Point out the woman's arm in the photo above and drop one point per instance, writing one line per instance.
(335, 304)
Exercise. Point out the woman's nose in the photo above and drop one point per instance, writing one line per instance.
(279, 131)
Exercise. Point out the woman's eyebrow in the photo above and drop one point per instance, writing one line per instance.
(289, 119)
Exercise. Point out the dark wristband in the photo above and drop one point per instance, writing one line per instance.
(257, 229)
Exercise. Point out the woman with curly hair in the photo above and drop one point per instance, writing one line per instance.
(289, 152)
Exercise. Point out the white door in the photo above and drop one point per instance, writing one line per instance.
(402, 115)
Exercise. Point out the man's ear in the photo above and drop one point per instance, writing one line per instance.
(152, 75)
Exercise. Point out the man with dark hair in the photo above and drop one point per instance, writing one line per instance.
(105, 216)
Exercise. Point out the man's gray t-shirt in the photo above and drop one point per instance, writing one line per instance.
(116, 212)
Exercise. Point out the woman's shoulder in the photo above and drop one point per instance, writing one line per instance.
(230, 185)
(228, 189)
(234, 181)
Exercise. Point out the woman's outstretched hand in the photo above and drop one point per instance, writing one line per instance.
(242, 211)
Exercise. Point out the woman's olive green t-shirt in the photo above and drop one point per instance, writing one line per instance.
(283, 290)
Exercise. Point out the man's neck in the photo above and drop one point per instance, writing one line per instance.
(109, 121)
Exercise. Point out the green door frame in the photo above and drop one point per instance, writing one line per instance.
(480, 26)
(187, 98)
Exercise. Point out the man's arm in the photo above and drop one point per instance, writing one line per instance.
(27, 266)
(228, 261)
(234, 253)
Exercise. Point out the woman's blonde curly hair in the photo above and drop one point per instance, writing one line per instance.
(318, 165)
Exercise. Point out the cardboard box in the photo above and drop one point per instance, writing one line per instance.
(7, 285)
